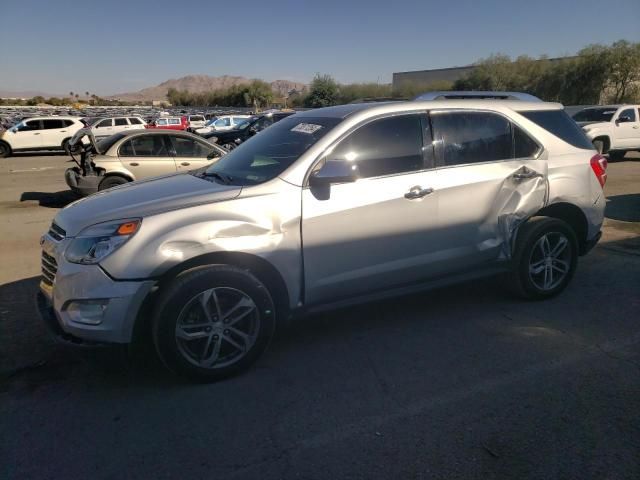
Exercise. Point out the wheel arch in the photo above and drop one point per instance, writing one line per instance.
(606, 140)
(570, 214)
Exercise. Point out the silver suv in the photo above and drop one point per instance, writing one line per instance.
(326, 208)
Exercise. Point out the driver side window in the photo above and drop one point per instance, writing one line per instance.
(384, 147)
(630, 113)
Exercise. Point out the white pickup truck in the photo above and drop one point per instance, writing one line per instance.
(613, 129)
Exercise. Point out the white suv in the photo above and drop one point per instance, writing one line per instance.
(105, 127)
(39, 133)
(222, 124)
(613, 129)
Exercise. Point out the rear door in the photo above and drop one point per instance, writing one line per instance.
(189, 153)
(52, 133)
(120, 124)
(136, 123)
(103, 128)
(489, 176)
(147, 156)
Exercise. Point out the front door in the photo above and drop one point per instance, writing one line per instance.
(379, 231)
(489, 180)
(28, 135)
(147, 156)
(627, 133)
(103, 128)
(189, 153)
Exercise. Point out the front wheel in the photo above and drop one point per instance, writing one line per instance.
(5, 150)
(110, 182)
(545, 258)
(213, 322)
(616, 155)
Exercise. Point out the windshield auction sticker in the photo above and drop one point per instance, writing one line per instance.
(306, 128)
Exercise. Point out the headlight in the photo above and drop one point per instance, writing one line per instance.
(96, 242)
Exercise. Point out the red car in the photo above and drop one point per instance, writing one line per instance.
(170, 123)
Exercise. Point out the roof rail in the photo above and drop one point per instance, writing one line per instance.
(473, 95)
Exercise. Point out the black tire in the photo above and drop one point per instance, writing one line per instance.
(526, 276)
(599, 146)
(110, 182)
(182, 304)
(5, 150)
(616, 155)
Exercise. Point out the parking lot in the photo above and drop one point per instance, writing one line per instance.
(461, 382)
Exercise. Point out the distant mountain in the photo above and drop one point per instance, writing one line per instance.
(26, 94)
(202, 83)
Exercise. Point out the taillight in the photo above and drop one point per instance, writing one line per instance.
(599, 167)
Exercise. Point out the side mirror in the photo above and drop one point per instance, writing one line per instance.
(334, 171)
(623, 119)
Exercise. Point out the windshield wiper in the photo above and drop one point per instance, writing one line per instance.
(223, 177)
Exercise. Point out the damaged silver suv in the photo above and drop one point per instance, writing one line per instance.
(327, 207)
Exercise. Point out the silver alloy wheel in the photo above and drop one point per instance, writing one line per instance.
(550, 260)
(217, 327)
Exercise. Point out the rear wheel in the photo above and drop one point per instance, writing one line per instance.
(213, 322)
(545, 258)
(229, 146)
(110, 182)
(5, 150)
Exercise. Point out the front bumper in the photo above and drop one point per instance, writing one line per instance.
(74, 284)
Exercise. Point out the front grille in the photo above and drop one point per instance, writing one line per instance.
(56, 232)
(49, 269)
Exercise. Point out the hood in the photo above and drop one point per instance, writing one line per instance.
(142, 199)
(595, 124)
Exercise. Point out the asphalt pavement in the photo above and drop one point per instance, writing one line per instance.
(462, 382)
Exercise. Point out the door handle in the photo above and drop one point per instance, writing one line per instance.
(525, 175)
(417, 192)
(63, 131)
(134, 164)
(185, 164)
(36, 133)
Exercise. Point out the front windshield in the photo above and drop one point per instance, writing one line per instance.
(271, 152)
(595, 115)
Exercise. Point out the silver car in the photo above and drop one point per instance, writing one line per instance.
(326, 208)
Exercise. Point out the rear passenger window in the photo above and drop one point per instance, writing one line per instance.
(471, 137)
(523, 144)
(145, 146)
(134, 121)
(384, 147)
(120, 122)
(67, 123)
(174, 121)
(561, 125)
(52, 124)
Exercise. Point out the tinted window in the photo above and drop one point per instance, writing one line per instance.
(238, 120)
(30, 126)
(106, 143)
(52, 124)
(67, 123)
(595, 115)
(144, 146)
(120, 122)
(561, 125)
(223, 122)
(267, 155)
(629, 112)
(471, 137)
(523, 144)
(196, 118)
(187, 147)
(384, 147)
(105, 123)
(134, 121)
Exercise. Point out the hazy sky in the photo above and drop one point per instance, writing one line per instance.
(114, 46)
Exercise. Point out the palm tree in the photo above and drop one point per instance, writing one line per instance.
(71, 94)
(86, 94)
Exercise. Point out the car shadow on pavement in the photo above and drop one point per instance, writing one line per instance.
(39, 154)
(625, 208)
(50, 199)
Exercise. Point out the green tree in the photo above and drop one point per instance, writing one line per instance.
(323, 92)
(624, 71)
(258, 94)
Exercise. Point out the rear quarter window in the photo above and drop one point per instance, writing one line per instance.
(561, 125)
